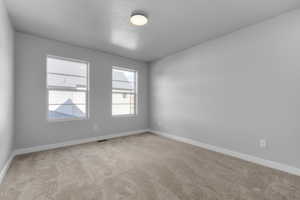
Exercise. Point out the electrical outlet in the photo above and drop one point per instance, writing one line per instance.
(263, 143)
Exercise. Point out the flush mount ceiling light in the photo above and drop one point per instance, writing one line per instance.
(138, 19)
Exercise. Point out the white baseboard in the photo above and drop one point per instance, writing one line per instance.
(75, 142)
(254, 159)
(5, 168)
(260, 161)
(62, 144)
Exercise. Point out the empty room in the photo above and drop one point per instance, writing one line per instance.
(149, 100)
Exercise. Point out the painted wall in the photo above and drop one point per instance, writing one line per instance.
(6, 86)
(232, 91)
(32, 127)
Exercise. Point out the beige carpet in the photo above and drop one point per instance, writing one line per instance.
(142, 167)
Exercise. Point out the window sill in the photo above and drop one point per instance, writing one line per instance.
(66, 120)
(125, 116)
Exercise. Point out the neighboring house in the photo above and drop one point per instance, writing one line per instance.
(66, 110)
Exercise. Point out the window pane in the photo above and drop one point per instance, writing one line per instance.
(66, 74)
(123, 75)
(63, 81)
(66, 104)
(66, 111)
(67, 83)
(122, 85)
(66, 97)
(122, 110)
(123, 98)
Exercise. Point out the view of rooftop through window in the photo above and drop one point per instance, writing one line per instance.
(67, 83)
(124, 91)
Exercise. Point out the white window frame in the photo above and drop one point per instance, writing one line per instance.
(87, 91)
(136, 92)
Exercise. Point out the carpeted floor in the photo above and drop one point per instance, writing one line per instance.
(142, 167)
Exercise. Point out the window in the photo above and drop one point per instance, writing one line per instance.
(67, 84)
(124, 91)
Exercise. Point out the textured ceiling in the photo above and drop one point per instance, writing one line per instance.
(174, 24)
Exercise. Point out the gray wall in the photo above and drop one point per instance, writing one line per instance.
(233, 91)
(32, 127)
(6, 86)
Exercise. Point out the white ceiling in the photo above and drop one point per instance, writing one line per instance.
(174, 24)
